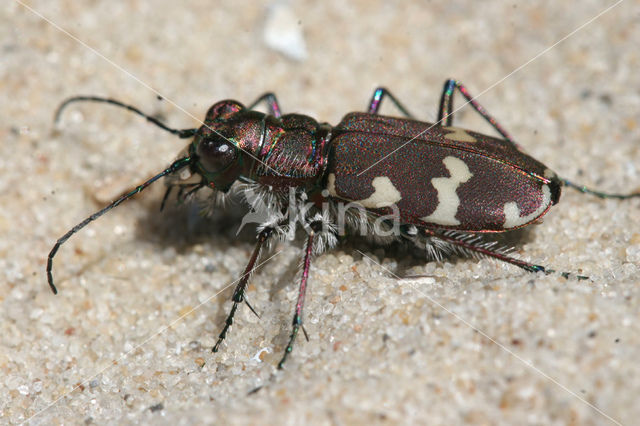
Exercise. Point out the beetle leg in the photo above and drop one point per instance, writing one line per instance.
(445, 111)
(238, 293)
(378, 96)
(272, 102)
(297, 316)
(485, 251)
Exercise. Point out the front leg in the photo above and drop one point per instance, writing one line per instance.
(238, 294)
(271, 101)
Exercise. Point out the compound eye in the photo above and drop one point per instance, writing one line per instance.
(215, 153)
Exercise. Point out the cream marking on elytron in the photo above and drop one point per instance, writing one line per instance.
(512, 218)
(459, 135)
(384, 194)
(448, 200)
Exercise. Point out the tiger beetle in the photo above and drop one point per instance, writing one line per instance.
(443, 186)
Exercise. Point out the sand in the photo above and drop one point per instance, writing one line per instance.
(143, 294)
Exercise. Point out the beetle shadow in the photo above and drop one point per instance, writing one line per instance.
(183, 226)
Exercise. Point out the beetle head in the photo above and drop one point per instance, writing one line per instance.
(224, 148)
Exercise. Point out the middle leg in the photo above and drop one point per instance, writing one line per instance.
(238, 294)
(315, 227)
